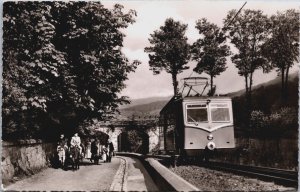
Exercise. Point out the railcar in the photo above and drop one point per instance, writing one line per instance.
(194, 126)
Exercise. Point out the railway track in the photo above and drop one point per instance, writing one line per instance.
(278, 176)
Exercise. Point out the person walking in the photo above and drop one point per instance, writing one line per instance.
(61, 149)
(94, 150)
(88, 154)
(104, 153)
(110, 147)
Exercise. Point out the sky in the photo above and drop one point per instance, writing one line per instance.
(152, 14)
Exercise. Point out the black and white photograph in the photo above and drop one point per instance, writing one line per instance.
(150, 95)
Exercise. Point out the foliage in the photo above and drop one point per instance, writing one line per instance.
(210, 51)
(283, 122)
(62, 64)
(282, 47)
(137, 141)
(264, 101)
(27, 47)
(248, 32)
(170, 50)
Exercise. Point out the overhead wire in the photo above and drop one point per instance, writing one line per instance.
(235, 15)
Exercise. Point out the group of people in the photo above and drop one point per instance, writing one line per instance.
(63, 147)
(95, 150)
(92, 149)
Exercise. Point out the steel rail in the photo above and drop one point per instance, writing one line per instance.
(278, 176)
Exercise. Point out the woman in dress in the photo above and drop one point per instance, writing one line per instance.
(88, 153)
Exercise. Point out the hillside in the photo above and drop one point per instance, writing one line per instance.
(265, 95)
(143, 101)
(276, 81)
(270, 117)
(143, 110)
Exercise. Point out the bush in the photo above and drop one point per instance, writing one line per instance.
(280, 123)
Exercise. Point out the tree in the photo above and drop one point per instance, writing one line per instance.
(248, 32)
(62, 65)
(210, 50)
(30, 64)
(282, 48)
(93, 43)
(169, 50)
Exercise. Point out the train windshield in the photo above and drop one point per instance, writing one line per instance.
(196, 113)
(219, 113)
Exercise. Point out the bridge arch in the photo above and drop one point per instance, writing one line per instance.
(149, 137)
(136, 141)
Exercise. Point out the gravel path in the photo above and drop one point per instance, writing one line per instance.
(88, 178)
(211, 180)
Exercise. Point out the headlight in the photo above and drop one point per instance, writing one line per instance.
(211, 145)
(210, 137)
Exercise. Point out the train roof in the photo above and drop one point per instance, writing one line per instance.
(205, 98)
(191, 98)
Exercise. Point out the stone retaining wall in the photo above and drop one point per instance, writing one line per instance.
(24, 158)
(165, 179)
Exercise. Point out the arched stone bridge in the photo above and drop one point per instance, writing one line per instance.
(114, 129)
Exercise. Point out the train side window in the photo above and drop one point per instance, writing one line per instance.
(220, 114)
(196, 114)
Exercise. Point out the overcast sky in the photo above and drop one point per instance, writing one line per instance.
(152, 14)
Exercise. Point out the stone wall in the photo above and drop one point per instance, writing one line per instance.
(113, 135)
(25, 158)
(153, 134)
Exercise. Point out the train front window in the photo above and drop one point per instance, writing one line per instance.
(196, 113)
(220, 113)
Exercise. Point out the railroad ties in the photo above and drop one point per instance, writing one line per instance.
(279, 176)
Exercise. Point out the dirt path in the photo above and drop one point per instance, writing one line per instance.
(88, 178)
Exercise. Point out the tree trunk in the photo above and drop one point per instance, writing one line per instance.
(286, 91)
(175, 83)
(282, 85)
(211, 84)
(247, 90)
(246, 83)
(250, 92)
(247, 105)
